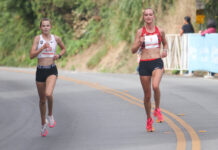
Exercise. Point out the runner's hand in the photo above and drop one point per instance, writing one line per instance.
(164, 54)
(46, 45)
(141, 39)
(56, 57)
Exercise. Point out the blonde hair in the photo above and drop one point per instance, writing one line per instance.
(147, 9)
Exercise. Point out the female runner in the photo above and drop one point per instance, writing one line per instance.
(44, 47)
(149, 39)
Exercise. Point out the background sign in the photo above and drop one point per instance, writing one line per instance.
(200, 12)
(200, 19)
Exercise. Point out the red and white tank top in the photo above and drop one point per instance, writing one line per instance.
(48, 52)
(152, 40)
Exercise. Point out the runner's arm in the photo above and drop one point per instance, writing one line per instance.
(61, 44)
(138, 41)
(165, 45)
(34, 52)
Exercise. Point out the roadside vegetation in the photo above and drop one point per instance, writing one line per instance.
(80, 23)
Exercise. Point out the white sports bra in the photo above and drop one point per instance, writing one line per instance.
(48, 52)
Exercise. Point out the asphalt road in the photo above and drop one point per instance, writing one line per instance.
(97, 111)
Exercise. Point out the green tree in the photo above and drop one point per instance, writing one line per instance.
(211, 9)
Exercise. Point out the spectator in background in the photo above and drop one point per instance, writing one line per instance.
(187, 27)
(211, 28)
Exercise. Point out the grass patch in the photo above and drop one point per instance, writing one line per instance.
(73, 68)
(105, 70)
(175, 72)
(63, 63)
(93, 62)
(124, 57)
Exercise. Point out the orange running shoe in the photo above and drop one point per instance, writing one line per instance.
(149, 125)
(157, 113)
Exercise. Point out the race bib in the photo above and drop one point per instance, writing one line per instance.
(151, 41)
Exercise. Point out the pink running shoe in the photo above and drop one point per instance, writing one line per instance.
(149, 125)
(51, 121)
(44, 129)
(157, 113)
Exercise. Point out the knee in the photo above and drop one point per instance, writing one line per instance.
(155, 87)
(48, 94)
(147, 98)
(42, 102)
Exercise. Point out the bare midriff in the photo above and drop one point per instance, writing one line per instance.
(150, 53)
(45, 61)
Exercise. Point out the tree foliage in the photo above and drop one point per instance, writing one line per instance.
(211, 9)
(78, 22)
(20, 23)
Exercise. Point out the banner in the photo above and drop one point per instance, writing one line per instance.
(203, 52)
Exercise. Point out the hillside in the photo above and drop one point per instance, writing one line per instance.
(119, 58)
(97, 33)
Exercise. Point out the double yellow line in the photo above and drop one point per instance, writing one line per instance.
(181, 140)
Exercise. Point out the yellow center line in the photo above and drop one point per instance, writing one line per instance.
(19, 71)
(181, 142)
(196, 145)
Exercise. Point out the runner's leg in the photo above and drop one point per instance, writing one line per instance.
(50, 84)
(42, 101)
(156, 78)
(146, 85)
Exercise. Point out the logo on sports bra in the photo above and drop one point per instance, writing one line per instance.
(41, 42)
(48, 49)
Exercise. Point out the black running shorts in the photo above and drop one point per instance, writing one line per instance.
(146, 67)
(43, 72)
